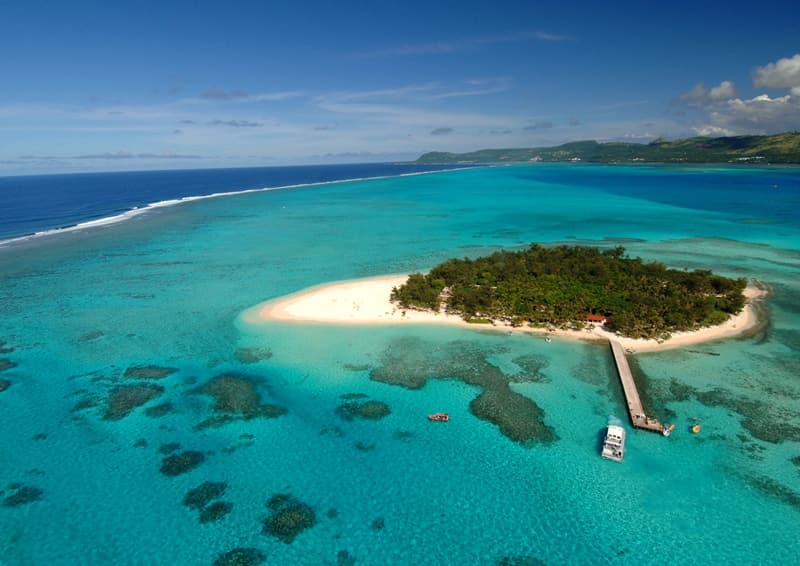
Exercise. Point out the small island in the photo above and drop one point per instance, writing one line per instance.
(567, 286)
(573, 292)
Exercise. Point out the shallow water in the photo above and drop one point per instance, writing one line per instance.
(166, 289)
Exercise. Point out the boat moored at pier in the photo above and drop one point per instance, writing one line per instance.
(614, 444)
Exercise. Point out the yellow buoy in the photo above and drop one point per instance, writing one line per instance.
(695, 428)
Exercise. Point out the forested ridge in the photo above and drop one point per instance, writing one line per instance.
(560, 286)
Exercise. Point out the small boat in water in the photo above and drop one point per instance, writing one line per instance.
(667, 430)
(443, 417)
(696, 428)
(614, 444)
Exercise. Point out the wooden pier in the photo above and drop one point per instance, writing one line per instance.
(635, 410)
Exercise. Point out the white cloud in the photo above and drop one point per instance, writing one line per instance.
(759, 115)
(467, 44)
(784, 73)
(712, 131)
(701, 96)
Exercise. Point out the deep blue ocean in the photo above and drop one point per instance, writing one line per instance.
(38, 203)
(143, 420)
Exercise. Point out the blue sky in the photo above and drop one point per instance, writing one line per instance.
(90, 86)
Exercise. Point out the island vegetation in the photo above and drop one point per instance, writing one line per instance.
(778, 148)
(562, 286)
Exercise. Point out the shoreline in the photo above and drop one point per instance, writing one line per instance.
(366, 302)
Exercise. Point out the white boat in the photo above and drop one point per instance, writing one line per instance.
(614, 444)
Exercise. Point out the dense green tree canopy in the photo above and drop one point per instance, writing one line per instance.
(562, 285)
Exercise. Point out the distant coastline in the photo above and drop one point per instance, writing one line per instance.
(752, 150)
(367, 302)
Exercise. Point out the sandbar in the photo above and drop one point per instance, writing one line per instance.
(367, 301)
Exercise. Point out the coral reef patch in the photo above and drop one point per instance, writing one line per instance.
(4, 384)
(200, 496)
(762, 419)
(252, 355)
(177, 464)
(371, 410)
(409, 362)
(404, 435)
(344, 558)
(215, 511)
(236, 397)
(288, 517)
(353, 396)
(519, 561)
(148, 372)
(5, 349)
(125, 398)
(5, 364)
(771, 487)
(89, 336)
(159, 410)
(169, 447)
(23, 494)
(241, 557)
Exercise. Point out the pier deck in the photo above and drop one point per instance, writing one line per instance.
(635, 409)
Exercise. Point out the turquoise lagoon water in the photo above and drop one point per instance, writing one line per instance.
(167, 289)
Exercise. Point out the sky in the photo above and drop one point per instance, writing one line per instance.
(128, 85)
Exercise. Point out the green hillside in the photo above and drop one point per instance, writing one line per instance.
(778, 148)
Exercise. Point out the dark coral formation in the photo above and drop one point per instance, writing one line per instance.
(532, 367)
(518, 418)
(203, 494)
(125, 398)
(378, 523)
(236, 398)
(403, 435)
(5, 364)
(410, 362)
(775, 489)
(169, 447)
(356, 367)
(89, 336)
(331, 431)
(23, 494)
(87, 402)
(364, 446)
(148, 372)
(353, 396)
(241, 557)
(178, 464)
(141, 443)
(5, 349)
(159, 410)
(796, 461)
(519, 561)
(215, 511)
(252, 355)
(4, 384)
(371, 410)
(763, 420)
(344, 558)
(288, 517)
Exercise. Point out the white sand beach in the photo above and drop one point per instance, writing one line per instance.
(367, 301)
